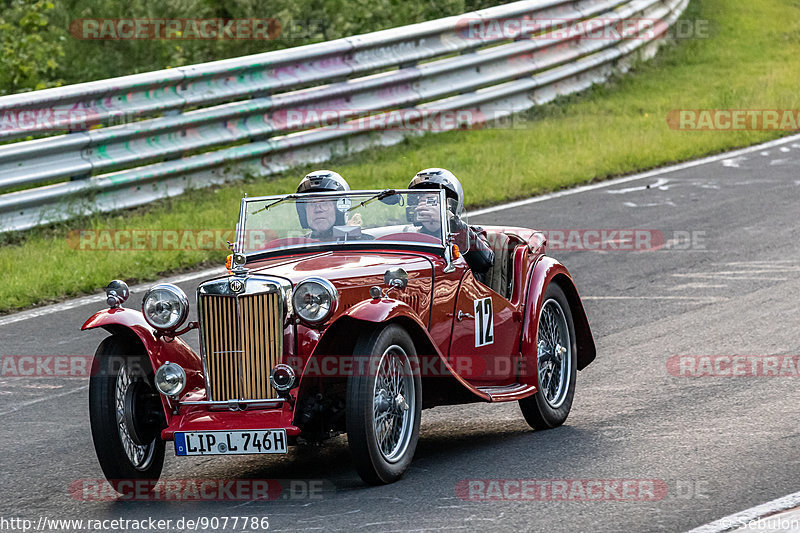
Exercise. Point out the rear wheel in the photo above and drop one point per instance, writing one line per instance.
(384, 404)
(126, 414)
(556, 362)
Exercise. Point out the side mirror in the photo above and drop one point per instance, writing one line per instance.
(396, 278)
(392, 199)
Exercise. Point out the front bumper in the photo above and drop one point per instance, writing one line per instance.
(198, 418)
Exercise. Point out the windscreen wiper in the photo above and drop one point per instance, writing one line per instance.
(276, 202)
(380, 196)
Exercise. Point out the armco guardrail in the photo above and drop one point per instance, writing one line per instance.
(194, 126)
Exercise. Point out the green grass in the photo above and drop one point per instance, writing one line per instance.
(749, 62)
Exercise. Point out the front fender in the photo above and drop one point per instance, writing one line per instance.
(383, 310)
(159, 351)
(548, 270)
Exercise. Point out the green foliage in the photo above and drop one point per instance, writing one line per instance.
(30, 48)
(37, 48)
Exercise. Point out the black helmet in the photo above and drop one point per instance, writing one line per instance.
(440, 178)
(320, 181)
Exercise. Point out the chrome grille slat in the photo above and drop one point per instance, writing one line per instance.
(242, 340)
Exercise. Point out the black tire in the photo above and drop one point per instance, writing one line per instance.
(117, 357)
(539, 411)
(374, 354)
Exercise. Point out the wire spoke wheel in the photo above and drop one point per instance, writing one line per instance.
(392, 403)
(384, 404)
(139, 455)
(554, 353)
(125, 413)
(556, 362)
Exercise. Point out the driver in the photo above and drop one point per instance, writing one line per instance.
(480, 256)
(320, 215)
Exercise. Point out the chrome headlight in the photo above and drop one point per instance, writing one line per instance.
(314, 300)
(170, 379)
(165, 306)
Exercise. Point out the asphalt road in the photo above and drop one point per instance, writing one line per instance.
(719, 444)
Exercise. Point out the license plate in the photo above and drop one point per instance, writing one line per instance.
(231, 442)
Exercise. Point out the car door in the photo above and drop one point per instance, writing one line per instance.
(484, 345)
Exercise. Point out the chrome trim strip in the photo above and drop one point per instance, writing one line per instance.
(236, 402)
(240, 333)
(234, 405)
(359, 192)
(240, 227)
(201, 329)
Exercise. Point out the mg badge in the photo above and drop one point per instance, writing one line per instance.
(236, 285)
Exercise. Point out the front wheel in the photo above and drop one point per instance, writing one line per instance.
(384, 404)
(125, 414)
(556, 362)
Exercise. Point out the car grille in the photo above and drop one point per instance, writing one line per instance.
(242, 338)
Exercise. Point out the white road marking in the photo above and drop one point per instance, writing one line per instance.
(758, 269)
(635, 177)
(733, 162)
(660, 183)
(776, 162)
(730, 276)
(697, 285)
(98, 300)
(708, 299)
(785, 149)
(651, 204)
(769, 263)
(754, 513)
(765, 154)
(20, 405)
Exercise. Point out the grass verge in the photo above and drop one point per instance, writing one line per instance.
(749, 61)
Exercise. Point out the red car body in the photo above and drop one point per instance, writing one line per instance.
(427, 308)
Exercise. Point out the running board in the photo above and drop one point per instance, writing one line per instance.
(507, 393)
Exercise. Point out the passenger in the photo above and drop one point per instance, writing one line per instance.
(480, 256)
(320, 214)
(426, 215)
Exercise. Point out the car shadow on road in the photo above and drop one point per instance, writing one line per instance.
(444, 457)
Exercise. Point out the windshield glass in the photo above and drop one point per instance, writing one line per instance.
(310, 220)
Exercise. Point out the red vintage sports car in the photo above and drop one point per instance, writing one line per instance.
(356, 332)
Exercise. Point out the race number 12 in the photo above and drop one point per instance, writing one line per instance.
(484, 325)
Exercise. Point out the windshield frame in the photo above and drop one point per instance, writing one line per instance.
(325, 246)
